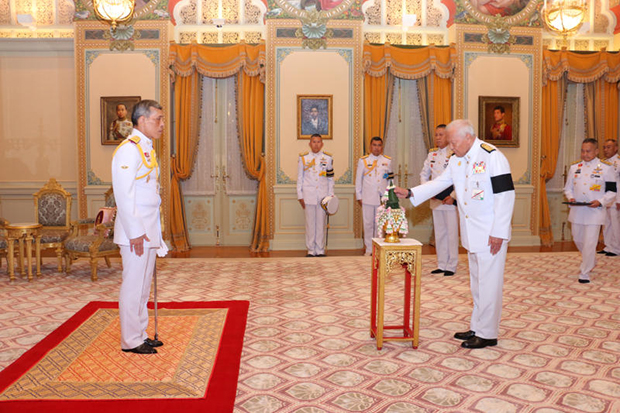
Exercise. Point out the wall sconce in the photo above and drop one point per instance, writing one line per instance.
(219, 23)
(27, 20)
(408, 21)
(114, 11)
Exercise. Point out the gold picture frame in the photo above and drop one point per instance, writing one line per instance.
(314, 115)
(113, 134)
(498, 120)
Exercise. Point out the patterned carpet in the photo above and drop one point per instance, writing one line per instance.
(307, 346)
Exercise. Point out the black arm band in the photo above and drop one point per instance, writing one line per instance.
(408, 193)
(502, 183)
(445, 193)
(610, 186)
(329, 173)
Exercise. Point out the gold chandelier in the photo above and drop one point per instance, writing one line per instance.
(114, 11)
(564, 17)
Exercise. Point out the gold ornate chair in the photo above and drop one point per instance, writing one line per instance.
(3, 243)
(95, 244)
(52, 209)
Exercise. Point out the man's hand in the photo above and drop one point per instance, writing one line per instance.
(594, 204)
(401, 192)
(359, 201)
(496, 244)
(302, 203)
(136, 245)
(448, 200)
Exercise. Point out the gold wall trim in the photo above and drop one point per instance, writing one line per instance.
(82, 45)
(535, 50)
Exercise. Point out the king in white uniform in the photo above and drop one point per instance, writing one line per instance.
(370, 184)
(611, 227)
(485, 193)
(590, 181)
(137, 229)
(443, 205)
(315, 181)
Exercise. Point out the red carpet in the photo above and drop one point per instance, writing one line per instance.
(79, 367)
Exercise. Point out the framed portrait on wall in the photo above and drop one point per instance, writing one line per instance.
(314, 115)
(116, 118)
(498, 120)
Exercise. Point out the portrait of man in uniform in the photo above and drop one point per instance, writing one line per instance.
(314, 116)
(116, 118)
(499, 120)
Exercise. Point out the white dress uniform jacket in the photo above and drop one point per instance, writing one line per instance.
(486, 197)
(445, 218)
(611, 228)
(484, 190)
(371, 178)
(587, 182)
(315, 177)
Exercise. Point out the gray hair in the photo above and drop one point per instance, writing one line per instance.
(143, 108)
(461, 128)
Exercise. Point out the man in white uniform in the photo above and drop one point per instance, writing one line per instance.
(370, 184)
(593, 182)
(315, 181)
(611, 228)
(445, 219)
(485, 193)
(137, 229)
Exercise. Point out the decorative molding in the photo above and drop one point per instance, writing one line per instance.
(347, 54)
(153, 56)
(94, 180)
(346, 177)
(282, 54)
(525, 179)
(283, 178)
(91, 55)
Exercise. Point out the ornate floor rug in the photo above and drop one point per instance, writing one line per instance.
(79, 366)
(307, 347)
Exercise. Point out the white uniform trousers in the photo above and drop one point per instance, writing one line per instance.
(486, 276)
(315, 229)
(586, 238)
(446, 238)
(134, 295)
(369, 212)
(611, 230)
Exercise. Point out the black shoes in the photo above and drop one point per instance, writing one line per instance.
(465, 335)
(141, 349)
(610, 254)
(153, 343)
(437, 271)
(320, 255)
(601, 252)
(584, 281)
(310, 255)
(448, 273)
(477, 342)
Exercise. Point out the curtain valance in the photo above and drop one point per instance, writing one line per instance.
(581, 67)
(407, 63)
(217, 61)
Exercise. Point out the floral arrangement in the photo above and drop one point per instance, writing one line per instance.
(391, 220)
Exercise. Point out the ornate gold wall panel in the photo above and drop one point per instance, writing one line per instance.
(529, 47)
(155, 47)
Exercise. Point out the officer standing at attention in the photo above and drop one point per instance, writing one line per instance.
(137, 229)
(590, 181)
(370, 184)
(445, 219)
(611, 228)
(486, 196)
(315, 181)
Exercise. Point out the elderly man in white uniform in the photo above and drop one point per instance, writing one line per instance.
(315, 181)
(445, 219)
(591, 182)
(485, 193)
(611, 227)
(137, 229)
(370, 184)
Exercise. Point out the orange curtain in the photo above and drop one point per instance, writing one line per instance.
(434, 65)
(188, 64)
(251, 103)
(600, 72)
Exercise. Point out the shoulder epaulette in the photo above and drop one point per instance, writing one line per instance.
(387, 157)
(433, 149)
(135, 139)
(303, 153)
(487, 147)
(365, 156)
(576, 162)
(328, 154)
(607, 162)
